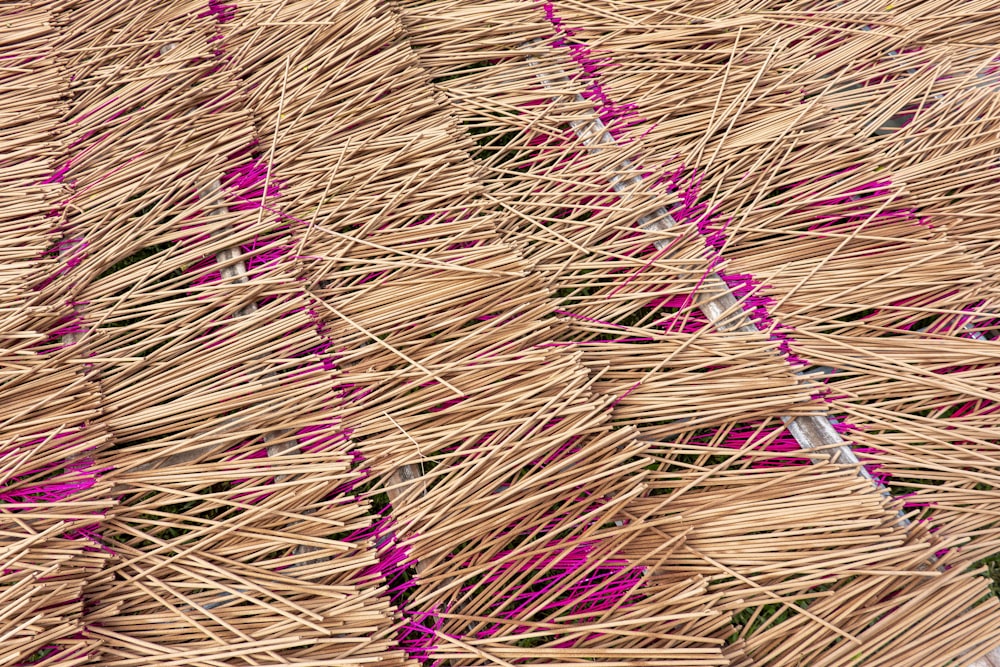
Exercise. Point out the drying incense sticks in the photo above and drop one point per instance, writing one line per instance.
(462, 79)
(209, 539)
(545, 415)
(52, 495)
(498, 332)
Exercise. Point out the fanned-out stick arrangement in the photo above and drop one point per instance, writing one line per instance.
(499, 332)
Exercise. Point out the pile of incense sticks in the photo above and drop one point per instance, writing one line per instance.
(499, 332)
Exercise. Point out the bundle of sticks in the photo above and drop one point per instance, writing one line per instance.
(499, 332)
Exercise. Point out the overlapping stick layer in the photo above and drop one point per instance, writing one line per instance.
(442, 332)
(404, 324)
(216, 542)
(816, 280)
(52, 496)
(857, 252)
